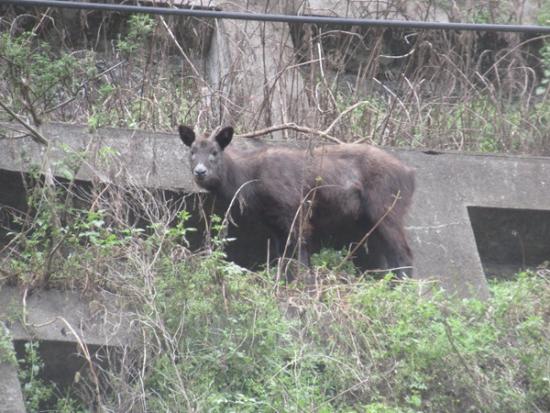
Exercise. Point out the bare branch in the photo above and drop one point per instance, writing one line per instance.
(182, 52)
(83, 85)
(291, 126)
(344, 113)
(35, 134)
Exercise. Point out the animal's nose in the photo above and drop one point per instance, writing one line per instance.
(200, 171)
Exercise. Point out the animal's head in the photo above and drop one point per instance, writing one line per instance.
(207, 156)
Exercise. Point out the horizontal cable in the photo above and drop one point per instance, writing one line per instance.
(283, 18)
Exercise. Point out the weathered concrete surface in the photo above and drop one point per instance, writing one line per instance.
(61, 318)
(114, 155)
(54, 315)
(252, 70)
(11, 398)
(439, 226)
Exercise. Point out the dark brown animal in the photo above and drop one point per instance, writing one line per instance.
(299, 194)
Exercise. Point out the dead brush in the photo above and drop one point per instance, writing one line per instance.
(426, 89)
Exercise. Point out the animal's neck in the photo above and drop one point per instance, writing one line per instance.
(235, 177)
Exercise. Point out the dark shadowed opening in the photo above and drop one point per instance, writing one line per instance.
(509, 240)
(64, 366)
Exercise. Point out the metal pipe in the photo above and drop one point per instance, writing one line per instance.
(283, 18)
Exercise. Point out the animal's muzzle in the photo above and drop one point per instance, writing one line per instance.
(200, 171)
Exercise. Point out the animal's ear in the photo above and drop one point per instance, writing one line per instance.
(224, 136)
(186, 135)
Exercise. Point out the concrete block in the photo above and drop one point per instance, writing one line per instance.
(11, 398)
(447, 184)
(65, 316)
(251, 68)
(63, 321)
(143, 158)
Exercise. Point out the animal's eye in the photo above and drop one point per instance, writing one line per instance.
(214, 153)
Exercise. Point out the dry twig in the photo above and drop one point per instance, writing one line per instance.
(34, 133)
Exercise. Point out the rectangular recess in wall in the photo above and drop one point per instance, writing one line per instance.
(510, 240)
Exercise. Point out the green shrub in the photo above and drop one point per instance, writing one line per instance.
(373, 347)
(38, 394)
(217, 337)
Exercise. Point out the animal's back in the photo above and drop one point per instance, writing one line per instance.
(373, 169)
(293, 172)
(340, 174)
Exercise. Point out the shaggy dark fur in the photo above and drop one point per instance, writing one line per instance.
(299, 194)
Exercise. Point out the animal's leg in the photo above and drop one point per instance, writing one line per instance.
(303, 254)
(298, 245)
(300, 250)
(392, 241)
(283, 247)
(278, 243)
(375, 252)
(302, 239)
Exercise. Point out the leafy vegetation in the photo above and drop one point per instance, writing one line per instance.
(217, 337)
(7, 355)
(371, 347)
(47, 82)
(37, 392)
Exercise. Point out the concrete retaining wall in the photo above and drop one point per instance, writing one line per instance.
(439, 224)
